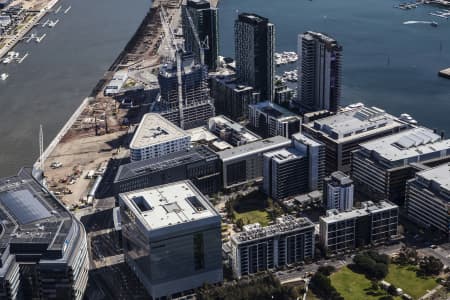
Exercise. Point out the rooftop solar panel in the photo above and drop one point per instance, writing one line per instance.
(24, 206)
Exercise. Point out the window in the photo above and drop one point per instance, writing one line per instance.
(199, 253)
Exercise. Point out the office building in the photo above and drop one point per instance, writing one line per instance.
(342, 133)
(244, 164)
(428, 198)
(171, 238)
(315, 152)
(338, 192)
(269, 119)
(320, 72)
(373, 223)
(198, 164)
(200, 31)
(254, 53)
(156, 137)
(43, 247)
(257, 248)
(285, 173)
(231, 98)
(380, 168)
(231, 132)
(196, 106)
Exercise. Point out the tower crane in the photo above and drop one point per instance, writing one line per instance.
(174, 52)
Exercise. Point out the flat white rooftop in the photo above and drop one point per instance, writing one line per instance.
(155, 129)
(254, 148)
(367, 208)
(440, 175)
(283, 155)
(202, 133)
(410, 143)
(351, 124)
(170, 204)
(303, 139)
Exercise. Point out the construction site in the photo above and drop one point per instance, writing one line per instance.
(101, 128)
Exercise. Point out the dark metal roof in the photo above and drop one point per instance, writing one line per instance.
(171, 160)
(34, 222)
(24, 206)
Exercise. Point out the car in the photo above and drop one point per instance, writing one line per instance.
(433, 246)
(55, 165)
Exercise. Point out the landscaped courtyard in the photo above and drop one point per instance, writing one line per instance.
(253, 208)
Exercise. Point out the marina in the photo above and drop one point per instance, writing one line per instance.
(286, 57)
(13, 56)
(445, 13)
(41, 90)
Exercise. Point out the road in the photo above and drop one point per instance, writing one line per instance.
(441, 252)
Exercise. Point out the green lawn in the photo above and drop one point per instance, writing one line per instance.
(252, 209)
(354, 286)
(253, 216)
(406, 279)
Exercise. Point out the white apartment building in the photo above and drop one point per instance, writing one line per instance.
(373, 223)
(338, 191)
(156, 137)
(258, 248)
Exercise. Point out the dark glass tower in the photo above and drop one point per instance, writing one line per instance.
(254, 52)
(319, 72)
(205, 25)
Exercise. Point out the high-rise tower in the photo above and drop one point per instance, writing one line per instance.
(200, 31)
(254, 53)
(196, 105)
(319, 71)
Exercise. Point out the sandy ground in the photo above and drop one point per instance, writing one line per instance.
(30, 4)
(79, 156)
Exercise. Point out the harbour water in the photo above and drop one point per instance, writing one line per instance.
(386, 63)
(48, 86)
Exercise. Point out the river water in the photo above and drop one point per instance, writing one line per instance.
(60, 72)
(386, 63)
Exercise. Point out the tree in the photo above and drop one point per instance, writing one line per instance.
(240, 223)
(430, 265)
(321, 286)
(374, 285)
(380, 270)
(407, 256)
(326, 270)
(372, 264)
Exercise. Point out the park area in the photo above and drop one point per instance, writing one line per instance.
(356, 286)
(254, 207)
(405, 277)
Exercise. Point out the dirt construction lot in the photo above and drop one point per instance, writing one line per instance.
(79, 156)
